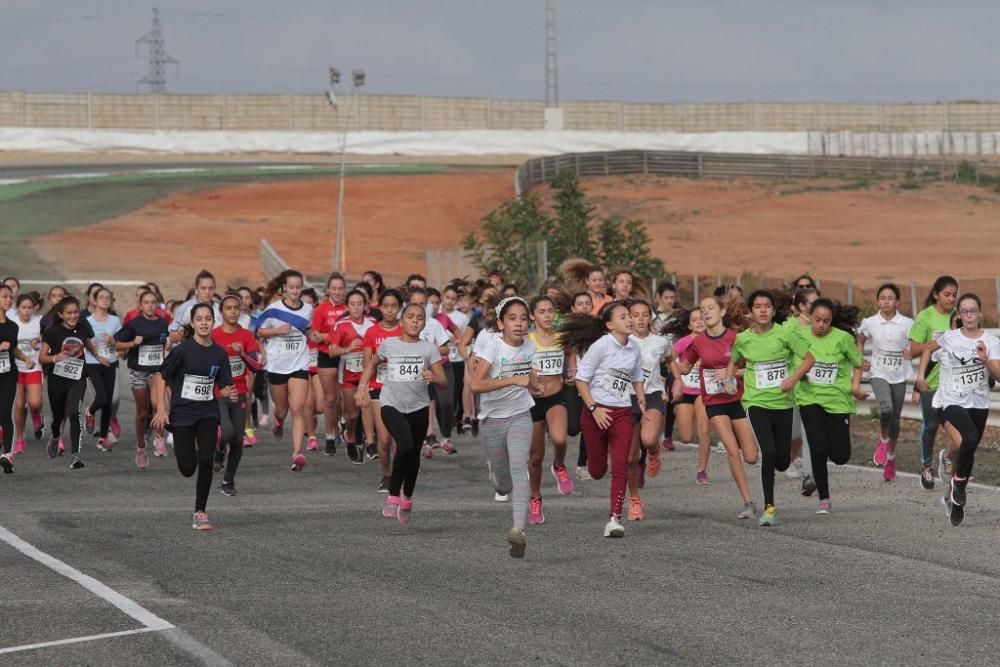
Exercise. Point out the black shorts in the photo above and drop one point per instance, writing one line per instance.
(654, 401)
(375, 394)
(733, 410)
(543, 405)
(283, 378)
(687, 399)
(326, 361)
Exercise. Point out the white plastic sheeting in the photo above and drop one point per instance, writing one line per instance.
(473, 142)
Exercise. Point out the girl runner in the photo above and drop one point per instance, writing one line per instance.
(62, 347)
(241, 347)
(802, 301)
(194, 371)
(29, 379)
(889, 332)
(346, 341)
(460, 320)
(9, 354)
(929, 324)
(284, 326)
(144, 339)
(409, 363)
(503, 378)
(830, 362)
(610, 363)
(324, 317)
(722, 395)
(666, 314)
(389, 303)
(621, 284)
(689, 408)
(964, 357)
(597, 286)
(766, 352)
(441, 406)
(314, 397)
(580, 305)
(645, 450)
(549, 411)
(103, 373)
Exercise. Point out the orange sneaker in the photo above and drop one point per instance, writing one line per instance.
(635, 512)
(653, 462)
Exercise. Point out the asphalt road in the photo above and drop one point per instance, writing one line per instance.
(302, 568)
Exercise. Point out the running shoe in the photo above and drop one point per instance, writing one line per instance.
(825, 506)
(475, 428)
(116, 429)
(720, 448)
(228, 489)
(112, 438)
(405, 509)
(635, 512)
(53, 448)
(278, 430)
(331, 446)
(141, 460)
(432, 441)
(249, 438)
(7, 463)
(500, 497)
(159, 445)
(390, 507)
(75, 462)
(447, 447)
(62, 446)
(312, 444)
(642, 476)
(170, 438)
(889, 471)
(881, 452)
(535, 515)
(768, 518)
(36, 422)
(927, 478)
(958, 492)
(298, 462)
(103, 444)
(220, 459)
(19, 446)
(354, 454)
(955, 512)
(426, 451)
(808, 486)
(200, 521)
(89, 422)
(371, 451)
(563, 481)
(653, 463)
(518, 542)
(383, 486)
(460, 426)
(701, 478)
(583, 474)
(945, 469)
(749, 510)
(263, 421)
(667, 444)
(614, 527)
(794, 470)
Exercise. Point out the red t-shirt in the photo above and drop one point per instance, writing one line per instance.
(134, 313)
(346, 331)
(324, 316)
(714, 354)
(238, 363)
(373, 338)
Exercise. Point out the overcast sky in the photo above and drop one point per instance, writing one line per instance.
(632, 50)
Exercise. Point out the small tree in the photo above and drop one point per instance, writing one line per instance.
(509, 241)
(626, 244)
(571, 233)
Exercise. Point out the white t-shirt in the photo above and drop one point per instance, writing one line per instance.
(610, 368)
(110, 326)
(184, 314)
(505, 361)
(652, 348)
(26, 333)
(288, 352)
(889, 338)
(964, 378)
(460, 320)
(435, 334)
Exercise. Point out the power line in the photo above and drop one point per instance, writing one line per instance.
(158, 57)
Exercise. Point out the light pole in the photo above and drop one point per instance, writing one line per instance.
(357, 81)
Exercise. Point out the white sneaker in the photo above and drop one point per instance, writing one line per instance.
(614, 528)
(582, 473)
(720, 448)
(501, 497)
(794, 470)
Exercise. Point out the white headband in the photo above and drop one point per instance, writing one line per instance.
(508, 300)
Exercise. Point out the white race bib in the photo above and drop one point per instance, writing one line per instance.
(823, 372)
(354, 362)
(770, 374)
(289, 344)
(313, 357)
(4, 363)
(197, 388)
(968, 379)
(405, 368)
(71, 369)
(890, 362)
(712, 386)
(453, 355)
(509, 369)
(548, 362)
(237, 367)
(693, 379)
(617, 382)
(26, 347)
(150, 355)
(646, 374)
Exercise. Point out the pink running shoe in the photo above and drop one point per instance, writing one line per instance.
(116, 429)
(426, 451)
(312, 444)
(535, 515)
(36, 420)
(405, 509)
(391, 506)
(278, 429)
(668, 444)
(563, 480)
(889, 470)
(298, 462)
(447, 447)
(104, 444)
(89, 422)
(701, 478)
(19, 446)
(141, 460)
(881, 452)
(159, 445)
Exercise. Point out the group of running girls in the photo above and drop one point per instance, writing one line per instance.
(774, 376)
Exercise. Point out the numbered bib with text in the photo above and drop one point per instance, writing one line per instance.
(617, 382)
(453, 355)
(71, 369)
(548, 362)
(770, 374)
(313, 357)
(150, 355)
(237, 367)
(823, 372)
(693, 379)
(889, 361)
(967, 379)
(4, 363)
(713, 386)
(354, 362)
(514, 368)
(197, 387)
(405, 368)
(290, 344)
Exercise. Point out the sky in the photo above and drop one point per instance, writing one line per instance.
(628, 50)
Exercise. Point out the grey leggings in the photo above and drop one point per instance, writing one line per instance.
(232, 417)
(890, 399)
(928, 427)
(507, 441)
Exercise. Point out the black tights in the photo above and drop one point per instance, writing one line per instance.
(444, 401)
(102, 378)
(773, 430)
(194, 447)
(408, 430)
(829, 438)
(233, 418)
(8, 390)
(65, 399)
(970, 423)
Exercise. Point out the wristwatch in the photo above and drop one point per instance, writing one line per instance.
(592, 407)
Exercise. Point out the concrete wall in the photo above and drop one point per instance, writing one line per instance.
(141, 111)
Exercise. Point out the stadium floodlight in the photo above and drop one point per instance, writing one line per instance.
(344, 116)
(334, 76)
(359, 77)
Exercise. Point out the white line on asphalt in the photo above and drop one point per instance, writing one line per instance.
(75, 640)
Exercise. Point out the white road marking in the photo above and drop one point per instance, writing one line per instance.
(75, 640)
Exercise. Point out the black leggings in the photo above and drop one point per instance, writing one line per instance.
(194, 447)
(8, 390)
(102, 378)
(773, 430)
(445, 403)
(458, 372)
(408, 430)
(65, 399)
(233, 416)
(668, 413)
(971, 424)
(574, 408)
(829, 438)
